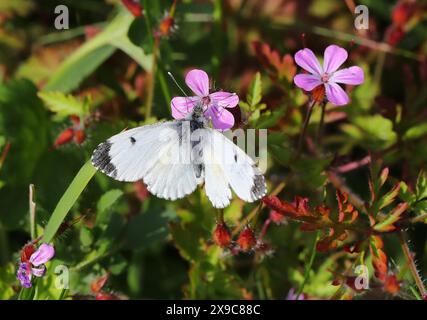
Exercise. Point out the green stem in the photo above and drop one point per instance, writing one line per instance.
(412, 266)
(151, 81)
(309, 265)
(304, 129)
(152, 75)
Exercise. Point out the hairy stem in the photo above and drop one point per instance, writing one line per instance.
(412, 266)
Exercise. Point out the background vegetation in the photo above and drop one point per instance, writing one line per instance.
(359, 181)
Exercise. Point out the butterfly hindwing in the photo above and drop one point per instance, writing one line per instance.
(227, 165)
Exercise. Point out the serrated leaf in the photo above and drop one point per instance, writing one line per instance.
(387, 223)
(386, 199)
(405, 194)
(255, 91)
(62, 104)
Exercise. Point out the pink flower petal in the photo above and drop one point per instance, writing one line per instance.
(353, 75)
(224, 99)
(222, 119)
(334, 57)
(306, 59)
(336, 94)
(307, 81)
(39, 272)
(182, 106)
(43, 254)
(198, 81)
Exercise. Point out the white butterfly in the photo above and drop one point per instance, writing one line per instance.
(174, 157)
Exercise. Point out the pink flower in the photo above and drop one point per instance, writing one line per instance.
(34, 266)
(214, 104)
(328, 75)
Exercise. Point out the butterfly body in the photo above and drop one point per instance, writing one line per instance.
(174, 157)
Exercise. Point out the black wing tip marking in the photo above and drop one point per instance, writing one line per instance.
(259, 189)
(101, 159)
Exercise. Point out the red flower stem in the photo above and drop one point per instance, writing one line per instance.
(353, 165)
(412, 266)
(304, 129)
(264, 228)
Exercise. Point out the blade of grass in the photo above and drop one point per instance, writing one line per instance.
(68, 199)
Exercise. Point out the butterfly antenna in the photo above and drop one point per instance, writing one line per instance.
(177, 84)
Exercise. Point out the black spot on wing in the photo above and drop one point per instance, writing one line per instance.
(132, 140)
(102, 161)
(259, 188)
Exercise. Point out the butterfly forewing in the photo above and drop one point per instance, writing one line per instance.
(149, 153)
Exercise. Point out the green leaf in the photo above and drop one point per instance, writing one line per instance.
(86, 237)
(255, 91)
(405, 194)
(421, 189)
(63, 104)
(94, 52)
(68, 199)
(388, 198)
(387, 223)
(106, 202)
(378, 131)
(416, 132)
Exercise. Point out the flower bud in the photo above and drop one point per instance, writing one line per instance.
(64, 137)
(246, 239)
(222, 235)
(79, 136)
